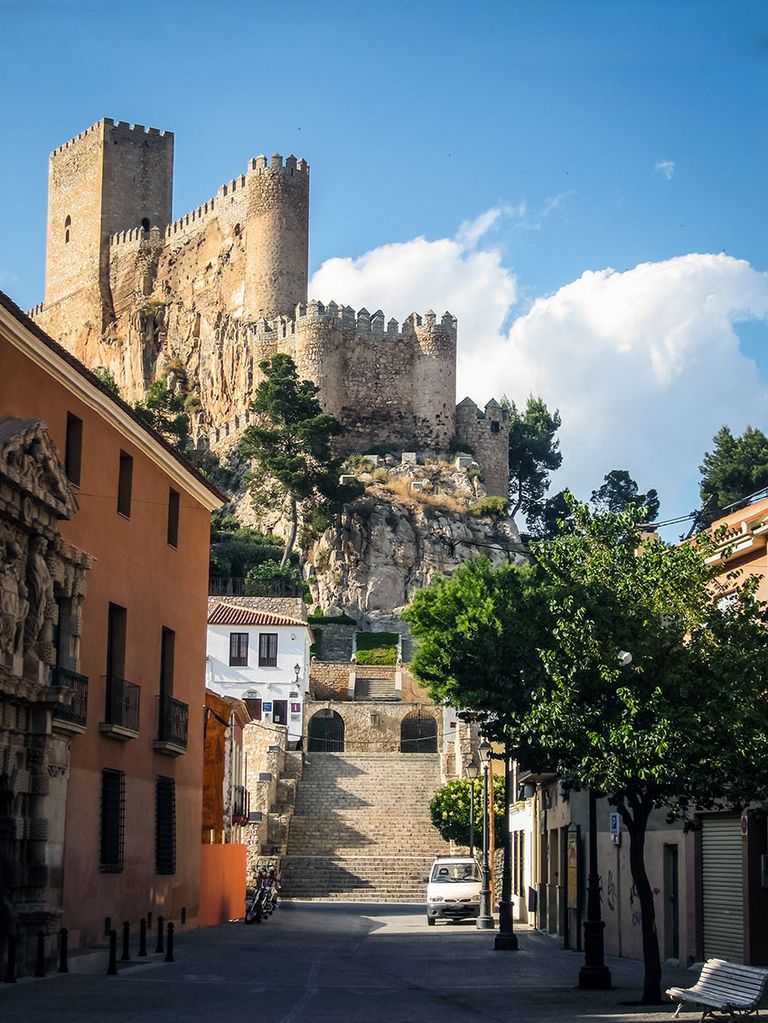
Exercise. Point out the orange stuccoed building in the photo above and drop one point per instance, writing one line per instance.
(104, 539)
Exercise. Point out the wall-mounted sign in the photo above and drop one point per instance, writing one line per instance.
(267, 707)
(295, 708)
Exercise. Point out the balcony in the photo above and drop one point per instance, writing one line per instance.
(240, 805)
(71, 716)
(121, 714)
(172, 726)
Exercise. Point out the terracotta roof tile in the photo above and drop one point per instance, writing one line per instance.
(231, 614)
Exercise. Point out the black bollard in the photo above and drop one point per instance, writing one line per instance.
(142, 938)
(159, 945)
(169, 954)
(63, 950)
(112, 965)
(10, 972)
(40, 959)
(125, 957)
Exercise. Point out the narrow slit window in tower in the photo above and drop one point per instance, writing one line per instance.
(67, 226)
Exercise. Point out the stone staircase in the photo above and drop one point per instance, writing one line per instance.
(361, 830)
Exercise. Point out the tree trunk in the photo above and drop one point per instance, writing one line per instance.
(519, 502)
(636, 825)
(292, 535)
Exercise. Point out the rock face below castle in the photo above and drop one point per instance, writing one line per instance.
(202, 300)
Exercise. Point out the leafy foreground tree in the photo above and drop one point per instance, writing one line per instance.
(535, 652)
(451, 807)
(534, 452)
(552, 516)
(684, 726)
(291, 443)
(735, 468)
(618, 491)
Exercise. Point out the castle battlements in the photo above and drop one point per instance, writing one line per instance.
(139, 129)
(361, 323)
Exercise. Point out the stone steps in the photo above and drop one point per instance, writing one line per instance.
(361, 830)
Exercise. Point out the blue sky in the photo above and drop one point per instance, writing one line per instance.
(594, 135)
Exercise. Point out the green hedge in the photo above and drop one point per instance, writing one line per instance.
(377, 648)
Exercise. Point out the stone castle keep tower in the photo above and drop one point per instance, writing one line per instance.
(210, 295)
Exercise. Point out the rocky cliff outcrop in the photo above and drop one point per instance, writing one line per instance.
(412, 523)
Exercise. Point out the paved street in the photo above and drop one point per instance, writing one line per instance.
(313, 963)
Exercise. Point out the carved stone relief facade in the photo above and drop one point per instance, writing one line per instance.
(42, 698)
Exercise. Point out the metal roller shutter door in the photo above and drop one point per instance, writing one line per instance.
(722, 887)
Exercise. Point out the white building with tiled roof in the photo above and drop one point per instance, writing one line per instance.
(260, 655)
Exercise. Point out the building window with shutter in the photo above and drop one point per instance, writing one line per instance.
(268, 650)
(112, 821)
(238, 649)
(173, 518)
(73, 449)
(125, 484)
(165, 825)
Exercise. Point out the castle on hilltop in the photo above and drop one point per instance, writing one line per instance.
(207, 297)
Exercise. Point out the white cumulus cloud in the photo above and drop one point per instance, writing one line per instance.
(644, 364)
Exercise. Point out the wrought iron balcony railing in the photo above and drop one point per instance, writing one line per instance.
(123, 703)
(75, 712)
(173, 721)
(240, 804)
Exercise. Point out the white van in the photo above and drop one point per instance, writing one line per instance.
(453, 889)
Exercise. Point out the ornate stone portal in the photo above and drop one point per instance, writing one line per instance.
(42, 697)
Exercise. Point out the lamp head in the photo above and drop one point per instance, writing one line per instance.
(471, 770)
(484, 750)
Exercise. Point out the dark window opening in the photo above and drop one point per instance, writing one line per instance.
(238, 649)
(173, 518)
(112, 821)
(67, 226)
(494, 426)
(167, 654)
(165, 826)
(268, 650)
(116, 630)
(145, 223)
(73, 449)
(125, 484)
(237, 230)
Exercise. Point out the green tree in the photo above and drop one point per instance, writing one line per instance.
(451, 805)
(291, 443)
(552, 516)
(735, 468)
(534, 452)
(164, 410)
(478, 636)
(618, 491)
(106, 378)
(648, 734)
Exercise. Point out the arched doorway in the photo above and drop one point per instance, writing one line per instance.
(326, 732)
(418, 734)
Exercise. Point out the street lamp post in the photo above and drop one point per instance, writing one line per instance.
(485, 920)
(594, 974)
(471, 771)
(506, 939)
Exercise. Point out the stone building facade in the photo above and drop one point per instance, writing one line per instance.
(209, 296)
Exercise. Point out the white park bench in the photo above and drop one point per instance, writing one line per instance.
(727, 988)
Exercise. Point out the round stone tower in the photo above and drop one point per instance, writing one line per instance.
(277, 236)
(434, 380)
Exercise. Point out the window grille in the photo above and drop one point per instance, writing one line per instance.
(268, 650)
(165, 825)
(238, 649)
(112, 821)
